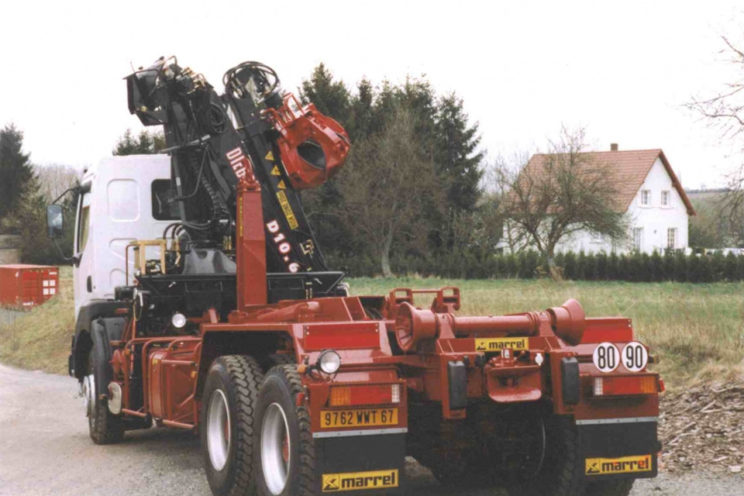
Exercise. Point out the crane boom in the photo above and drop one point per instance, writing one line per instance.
(215, 140)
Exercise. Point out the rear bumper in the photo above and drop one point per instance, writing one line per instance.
(621, 448)
(361, 464)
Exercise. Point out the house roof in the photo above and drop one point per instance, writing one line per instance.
(630, 168)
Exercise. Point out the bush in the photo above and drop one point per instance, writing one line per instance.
(633, 267)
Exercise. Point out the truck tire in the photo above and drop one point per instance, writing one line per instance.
(610, 488)
(283, 359)
(562, 470)
(285, 452)
(103, 426)
(452, 470)
(227, 422)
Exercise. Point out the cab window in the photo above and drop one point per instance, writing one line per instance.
(83, 222)
(163, 208)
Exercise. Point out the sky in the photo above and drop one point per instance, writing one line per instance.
(621, 70)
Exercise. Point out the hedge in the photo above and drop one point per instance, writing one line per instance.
(634, 267)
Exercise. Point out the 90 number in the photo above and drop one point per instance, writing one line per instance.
(606, 357)
(635, 357)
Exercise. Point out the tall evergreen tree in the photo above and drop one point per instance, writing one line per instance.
(16, 171)
(418, 97)
(457, 154)
(362, 118)
(145, 143)
(329, 96)
(438, 134)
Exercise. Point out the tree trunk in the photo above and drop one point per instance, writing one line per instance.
(556, 273)
(385, 255)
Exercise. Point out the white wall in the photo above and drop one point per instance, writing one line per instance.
(655, 219)
(589, 243)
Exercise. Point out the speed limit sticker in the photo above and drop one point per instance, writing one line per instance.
(606, 357)
(635, 357)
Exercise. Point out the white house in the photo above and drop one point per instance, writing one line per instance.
(651, 196)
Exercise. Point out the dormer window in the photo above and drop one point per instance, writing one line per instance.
(665, 198)
(645, 197)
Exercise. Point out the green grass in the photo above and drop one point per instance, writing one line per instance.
(696, 329)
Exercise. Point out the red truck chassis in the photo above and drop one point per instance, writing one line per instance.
(328, 394)
(408, 382)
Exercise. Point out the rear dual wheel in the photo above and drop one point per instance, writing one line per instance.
(284, 449)
(255, 438)
(562, 470)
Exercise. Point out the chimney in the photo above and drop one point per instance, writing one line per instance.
(613, 147)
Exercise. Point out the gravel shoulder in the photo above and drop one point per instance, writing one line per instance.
(45, 450)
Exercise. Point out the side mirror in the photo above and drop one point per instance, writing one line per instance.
(55, 221)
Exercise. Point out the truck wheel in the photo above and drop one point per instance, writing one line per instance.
(562, 469)
(227, 422)
(103, 426)
(452, 470)
(610, 488)
(285, 452)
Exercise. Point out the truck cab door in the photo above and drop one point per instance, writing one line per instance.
(83, 268)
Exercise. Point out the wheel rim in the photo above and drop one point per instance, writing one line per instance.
(218, 429)
(89, 394)
(275, 448)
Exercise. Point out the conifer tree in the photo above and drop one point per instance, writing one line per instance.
(16, 171)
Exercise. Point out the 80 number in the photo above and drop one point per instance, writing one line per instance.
(606, 357)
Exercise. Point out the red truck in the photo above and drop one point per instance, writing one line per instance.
(230, 324)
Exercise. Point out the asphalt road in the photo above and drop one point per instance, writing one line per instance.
(45, 450)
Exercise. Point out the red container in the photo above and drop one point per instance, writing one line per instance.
(25, 286)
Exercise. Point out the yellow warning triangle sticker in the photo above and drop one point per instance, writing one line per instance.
(282, 185)
(269, 156)
(275, 171)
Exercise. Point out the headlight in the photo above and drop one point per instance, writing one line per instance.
(178, 320)
(329, 361)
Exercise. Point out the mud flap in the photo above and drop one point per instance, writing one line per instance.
(361, 464)
(624, 448)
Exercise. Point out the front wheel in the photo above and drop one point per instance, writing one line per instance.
(227, 422)
(284, 447)
(103, 426)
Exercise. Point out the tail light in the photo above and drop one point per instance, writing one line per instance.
(623, 385)
(375, 394)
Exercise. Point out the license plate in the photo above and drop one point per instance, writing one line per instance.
(366, 417)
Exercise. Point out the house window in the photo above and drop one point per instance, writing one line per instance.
(637, 238)
(671, 238)
(665, 198)
(645, 197)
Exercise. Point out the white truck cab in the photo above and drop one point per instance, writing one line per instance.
(123, 199)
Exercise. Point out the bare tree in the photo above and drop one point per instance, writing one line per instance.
(55, 179)
(726, 108)
(560, 193)
(725, 111)
(387, 183)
